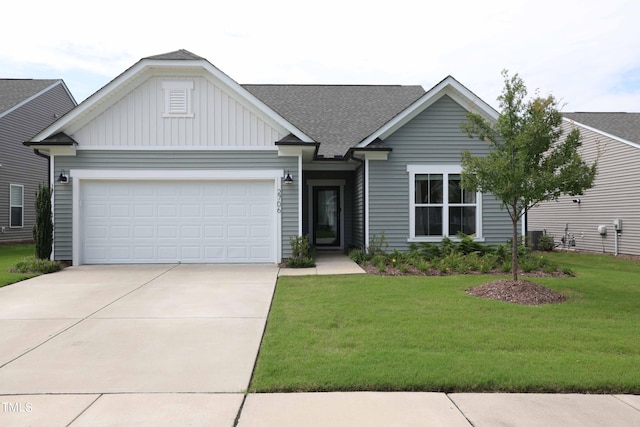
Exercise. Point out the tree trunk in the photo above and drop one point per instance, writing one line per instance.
(514, 250)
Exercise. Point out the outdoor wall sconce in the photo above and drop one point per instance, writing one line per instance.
(576, 201)
(288, 180)
(63, 178)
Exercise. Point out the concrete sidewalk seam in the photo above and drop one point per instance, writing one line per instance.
(459, 410)
(84, 410)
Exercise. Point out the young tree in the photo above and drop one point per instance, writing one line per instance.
(530, 160)
(43, 228)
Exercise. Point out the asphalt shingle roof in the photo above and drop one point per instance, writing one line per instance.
(176, 55)
(337, 116)
(14, 91)
(622, 125)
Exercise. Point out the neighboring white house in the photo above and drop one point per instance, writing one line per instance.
(586, 222)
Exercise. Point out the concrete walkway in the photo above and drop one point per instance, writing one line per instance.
(327, 262)
(175, 345)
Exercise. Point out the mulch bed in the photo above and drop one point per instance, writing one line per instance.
(517, 292)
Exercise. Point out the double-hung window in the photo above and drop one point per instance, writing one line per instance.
(16, 206)
(439, 205)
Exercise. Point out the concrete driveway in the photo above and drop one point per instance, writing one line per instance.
(163, 344)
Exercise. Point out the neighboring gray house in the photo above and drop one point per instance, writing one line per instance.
(173, 161)
(580, 222)
(26, 107)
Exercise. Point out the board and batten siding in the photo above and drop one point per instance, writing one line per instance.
(615, 194)
(171, 160)
(433, 137)
(20, 165)
(219, 120)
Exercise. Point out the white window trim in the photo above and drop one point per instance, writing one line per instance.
(21, 206)
(445, 170)
(182, 88)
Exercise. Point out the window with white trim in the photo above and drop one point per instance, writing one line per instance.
(439, 206)
(16, 206)
(177, 98)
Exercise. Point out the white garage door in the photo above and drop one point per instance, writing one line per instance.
(178, 221)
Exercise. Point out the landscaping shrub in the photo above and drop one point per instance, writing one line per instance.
(546, 243)
(43, 228)
(378, 245)
(301, 253)
(35, 265)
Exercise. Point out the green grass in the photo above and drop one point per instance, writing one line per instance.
(361, 332)
(10, 255)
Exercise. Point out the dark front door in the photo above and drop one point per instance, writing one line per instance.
(326, 216)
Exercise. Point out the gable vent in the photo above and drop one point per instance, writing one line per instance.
(177, 96)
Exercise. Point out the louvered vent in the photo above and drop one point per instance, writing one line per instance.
(177, 98)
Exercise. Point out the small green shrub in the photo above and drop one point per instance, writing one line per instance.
(35, 265)
(528, 264)
(546, 243)
(302, 255)
(359, 256)
(468, 245)
(378, 245)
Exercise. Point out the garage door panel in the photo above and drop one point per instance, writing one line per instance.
(191, 221)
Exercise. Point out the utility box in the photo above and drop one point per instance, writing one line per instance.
(602, 230)
(534, 239)
(617, 224)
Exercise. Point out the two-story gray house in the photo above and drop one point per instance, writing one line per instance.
(26, 107)
(173, 161)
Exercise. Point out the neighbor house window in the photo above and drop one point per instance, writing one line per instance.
(177, 98)
(439, 205)
(16, 206)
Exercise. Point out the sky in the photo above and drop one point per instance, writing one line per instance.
(586, 53)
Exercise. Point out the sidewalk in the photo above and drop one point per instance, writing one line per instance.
(407, 409)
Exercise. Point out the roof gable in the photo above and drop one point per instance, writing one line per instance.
(624, 127)
(449, 86)
(337, 116)
(123, 84)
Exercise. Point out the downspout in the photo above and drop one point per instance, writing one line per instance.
(364, 199)
(38, 153)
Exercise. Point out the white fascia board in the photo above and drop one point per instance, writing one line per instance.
(608, 135)
(176, 174)
(449, 86)
(229, 148)
(372, 155)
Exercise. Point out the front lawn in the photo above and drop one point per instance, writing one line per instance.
(367, 332)
(10, 255)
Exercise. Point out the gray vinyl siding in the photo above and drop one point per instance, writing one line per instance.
(431, 138)
(615, 195)
(358, 208)
(20, 165)
(181, 160)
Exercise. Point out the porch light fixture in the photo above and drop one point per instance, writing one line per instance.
(287, 179)
(63, 178)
